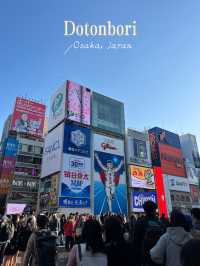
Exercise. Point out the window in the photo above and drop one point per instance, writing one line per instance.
(24, 148)
(38, 150)
(30, 148)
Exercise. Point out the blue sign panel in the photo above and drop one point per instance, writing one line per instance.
(77, 140)
(11, 147)
(68, 202)
(139, 198)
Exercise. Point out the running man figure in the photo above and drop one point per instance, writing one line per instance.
(109, 178)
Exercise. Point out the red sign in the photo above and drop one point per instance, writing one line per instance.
(160, 190)
(194, 193)
(28, 117)
(171, 160)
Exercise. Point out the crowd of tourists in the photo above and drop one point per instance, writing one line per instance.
(109, 239)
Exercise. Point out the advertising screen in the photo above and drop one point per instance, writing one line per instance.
(13, 208)
(11, 147)
(57, 107)
(155, 153)
(78, 103)
(75, 182)
(172, 160)
(77, 140)
(74, 101)
(107, 114)
(178, 183)
(52, 152)
(139, 198)
(138, 148)
(28, 117)
(142, 177)
(166, 137)
(110, 191)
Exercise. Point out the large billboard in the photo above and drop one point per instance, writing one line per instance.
(110, 191)
(78, 103)
(138, 148)
(107, 114)
(28, 117)
(75, 182)
(11, 147)
(178, 183)
(57, 107)
(171, 160)
(192, 173)
(166, 137)
(139, 198)
(141, 177)
(52, 152)
(77, 140)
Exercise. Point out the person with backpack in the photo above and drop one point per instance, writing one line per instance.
(195, 231)
(91, 251)
(41, 247)
(168, 248)
(148, 229)
(119, 251)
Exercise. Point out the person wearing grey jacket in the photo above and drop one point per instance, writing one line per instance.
(168, 248)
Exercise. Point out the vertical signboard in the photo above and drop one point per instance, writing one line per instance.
(57, 107)
(52, 152)
(78, 104)
(28, 117)
(160, 190)
(110, 192)
(76, 168)
(8, 165)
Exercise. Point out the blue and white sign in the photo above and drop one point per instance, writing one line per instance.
(52, 153)
(77, 140)
(11, 147)
(75, 179)
(139, 198)
(67, 202)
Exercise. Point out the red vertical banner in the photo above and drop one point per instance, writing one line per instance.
(160, 189)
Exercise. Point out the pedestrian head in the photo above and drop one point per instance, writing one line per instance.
(177, 219)
(150, 208)
(92, 236)
(113, 230)
(190, 255)
(42, 221)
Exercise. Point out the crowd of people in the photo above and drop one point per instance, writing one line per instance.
(109, 239)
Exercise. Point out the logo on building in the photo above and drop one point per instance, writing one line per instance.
(56, 107)
(78, 138)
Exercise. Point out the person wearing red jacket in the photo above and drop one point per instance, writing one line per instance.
(69, 233)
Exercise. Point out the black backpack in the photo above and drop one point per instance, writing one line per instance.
(154, 230)
(6, 231)
(46, 248)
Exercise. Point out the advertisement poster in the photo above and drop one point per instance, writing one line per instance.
(75, 182)
(52, 153)
(13, 208)
(110, 191)
(139, 198)
(138, 148)
(77, 140)
(155, 153)
(28, 117)
(7, 174)
(166, 137)
(86, 106)
(108, 114)
(74, 101)
(142, 177)
(181, 200)
(194, 192)
(54, 190)
(178, 183)
(192, 174)
(57, 107)
(172, 160)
